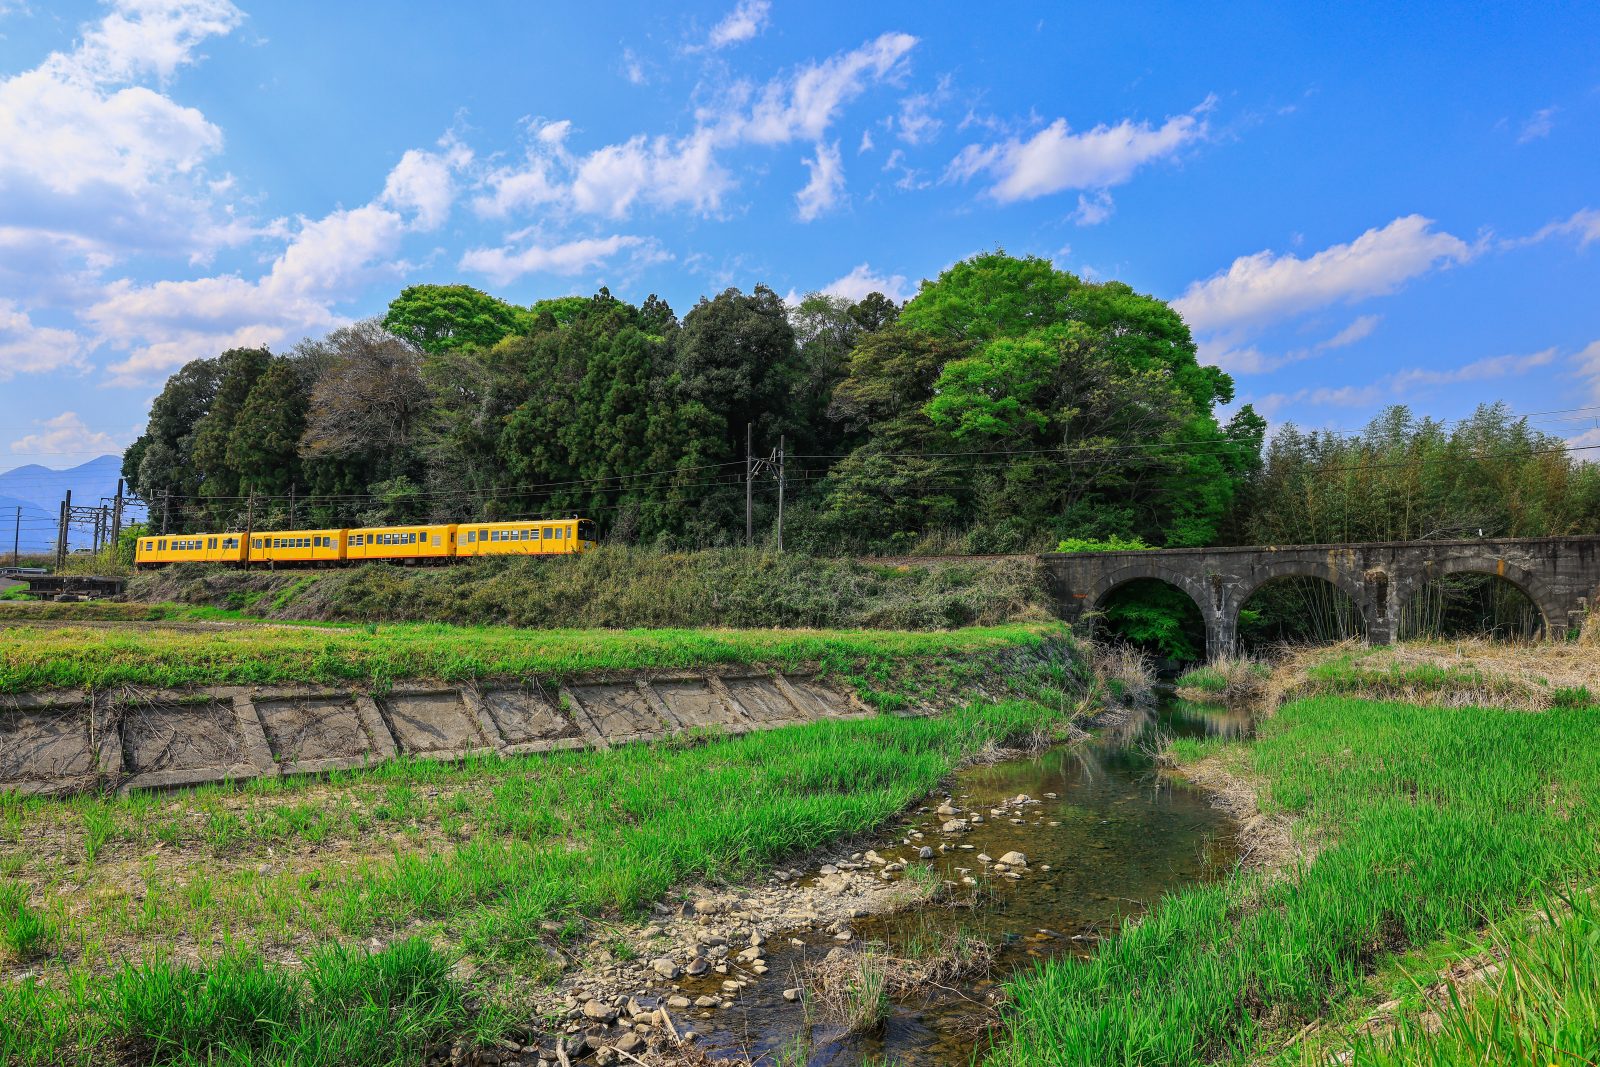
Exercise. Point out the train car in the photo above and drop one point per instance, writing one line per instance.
(162, 549)
(424, 544)
(530, 538)
(318, 548)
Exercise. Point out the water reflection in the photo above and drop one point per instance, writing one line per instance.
(1110, 836)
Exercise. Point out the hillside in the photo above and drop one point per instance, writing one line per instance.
(627, 588)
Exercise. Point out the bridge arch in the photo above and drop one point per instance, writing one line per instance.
(1151, 570)
(1529, 584)
(1303, 568)
(1262, 575)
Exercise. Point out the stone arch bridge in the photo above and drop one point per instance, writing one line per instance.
(1561, 575)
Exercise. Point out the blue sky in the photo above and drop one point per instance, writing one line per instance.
(1353, 205)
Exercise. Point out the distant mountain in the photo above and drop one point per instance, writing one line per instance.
(39, 491)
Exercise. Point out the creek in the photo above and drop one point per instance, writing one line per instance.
(1105, 835)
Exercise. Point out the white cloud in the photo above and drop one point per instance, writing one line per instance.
(825, 189)
(505, 265)
(424, 182)
(1358, 330)
(1476, 371)
(1056, 159)
(1251, 360)
(743, 23)
(633, 67)
(916, 123)
(804, 105)
(683, 172)
(1587, 440)
(1093, 209)
(1588, 364)
(85, 150)
(65, 435)
(1584, 224)
(1263, 288)
(660, 171)
(1539, 124)
(861, 281)
(326, 262)
(866, 142)
(29, 349)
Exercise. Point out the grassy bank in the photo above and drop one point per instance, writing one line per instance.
(36, 657)
(499, 861)
(624, 587)
(1433, 821)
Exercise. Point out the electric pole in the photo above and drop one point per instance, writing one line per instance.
(292, 524)
(749, 482)
(166, 506)
(782, 440)
(116, 515)
(16, 539)
(61, 531)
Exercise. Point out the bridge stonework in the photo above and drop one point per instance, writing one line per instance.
(1561, 575)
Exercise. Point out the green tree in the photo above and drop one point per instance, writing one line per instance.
(238, 370)
(264, 447)
(445, 318)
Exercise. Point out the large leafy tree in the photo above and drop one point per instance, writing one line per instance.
(445, 318)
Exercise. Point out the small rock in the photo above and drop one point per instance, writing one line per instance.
(1014, 859)
(985, 857)
(731, 987)
(594, 1009)
(954, 826)
(666, 968)
(706, 1002)
(924, 853)
(827, 869)
(678, 1001)
(791, 994)
(947, 809)
(629, 1042)
(696, 967)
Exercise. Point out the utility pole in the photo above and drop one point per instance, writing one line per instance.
(749, 482)
(116, 516)
(166, 507)
(16, 540)
(781, 441)
(292, 524)
(249, 517)
(61, 533)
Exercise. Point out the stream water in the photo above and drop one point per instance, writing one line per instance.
(1108, 836)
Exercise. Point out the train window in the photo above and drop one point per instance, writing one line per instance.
(436, 541)
(548, 533)
(472, 536)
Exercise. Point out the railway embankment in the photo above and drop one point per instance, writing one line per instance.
(625, 588)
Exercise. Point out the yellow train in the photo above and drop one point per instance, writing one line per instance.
(401, 544)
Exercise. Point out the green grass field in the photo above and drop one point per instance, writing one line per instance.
(155, 920)
(1435, 822)
(35, 656)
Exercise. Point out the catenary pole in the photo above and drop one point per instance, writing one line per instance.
(781, 441)
(749, 480)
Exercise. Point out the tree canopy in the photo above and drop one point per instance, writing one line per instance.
(1008, 406)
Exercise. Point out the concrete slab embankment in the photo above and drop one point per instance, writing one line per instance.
(140, 739)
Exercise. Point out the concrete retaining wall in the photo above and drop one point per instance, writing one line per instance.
(127, 739)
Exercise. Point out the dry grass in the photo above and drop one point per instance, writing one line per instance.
(1479, 672)
(853, 989)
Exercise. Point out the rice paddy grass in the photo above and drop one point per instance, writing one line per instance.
(1435, 821)
(194, 897)
(158, 655)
